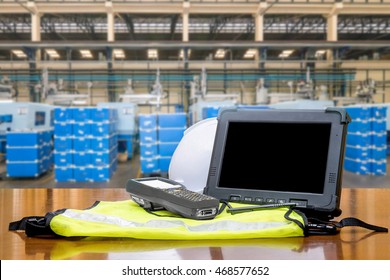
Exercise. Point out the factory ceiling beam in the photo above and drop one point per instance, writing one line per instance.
(201, 45)
(199, 7)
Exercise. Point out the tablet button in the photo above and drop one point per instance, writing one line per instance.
(301, 203)
(235, 198)
(259, 200)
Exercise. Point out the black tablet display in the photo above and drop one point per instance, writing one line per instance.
(268, 156)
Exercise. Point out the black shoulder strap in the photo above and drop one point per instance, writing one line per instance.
(35, 225)
(354, 222)
(319, 227)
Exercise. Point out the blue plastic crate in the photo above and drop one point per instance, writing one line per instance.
(101, 174)
(102, 114)
(81, 129)
(81, 159)
(63, 129)
(101, 159)
(360, 139)
(147, 121)
(167, 149)
(148, 150)
(25, 154)
(102, 129)
(102, 144)
(378, 167)
(62, 114)
(63, 174)
(63, 159)
(26, 139)
(147, 136)
(379, 125)
(378, 153)
(379, 138)
(63, 144)
(164, 163)
(82, 114)
(358, 167)
(82, 144)
(172, 120)
(357, 152)
(24, 169)
(379, 112)
(362, 126)
(359, 113)
(82, 174)
(170, 134)
(47, 135)
(149, 165)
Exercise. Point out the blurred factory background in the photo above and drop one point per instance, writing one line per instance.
(98, 91)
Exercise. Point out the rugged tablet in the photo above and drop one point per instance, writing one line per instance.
(267, 156)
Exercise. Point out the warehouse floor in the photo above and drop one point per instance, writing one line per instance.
(131, 169)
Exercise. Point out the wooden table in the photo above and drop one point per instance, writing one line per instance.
(370, 205)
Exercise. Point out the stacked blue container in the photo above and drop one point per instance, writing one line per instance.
(148, 143)
(366, 140)
(29, 153)
(159, 136)
(126, 124)
(171, 129)
(85, 144)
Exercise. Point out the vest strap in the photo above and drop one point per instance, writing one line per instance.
(354, 222)
(319, 227)
(34, 226)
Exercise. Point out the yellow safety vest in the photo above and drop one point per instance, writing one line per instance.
(128, 219)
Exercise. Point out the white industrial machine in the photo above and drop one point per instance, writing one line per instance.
(199, 91)
(261, 92)
(153, 97)
(304, 90)
(56, 94)
(365, 90)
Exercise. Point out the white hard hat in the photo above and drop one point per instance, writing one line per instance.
(191, 160)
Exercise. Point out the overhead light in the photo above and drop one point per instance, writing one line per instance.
(119, 53)
(181, 54)
(152, 53)
(220, 53)
(52, 53)
(19, 53)
(250, 53)
(286, 53)
(86, 53)
(320, 53)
